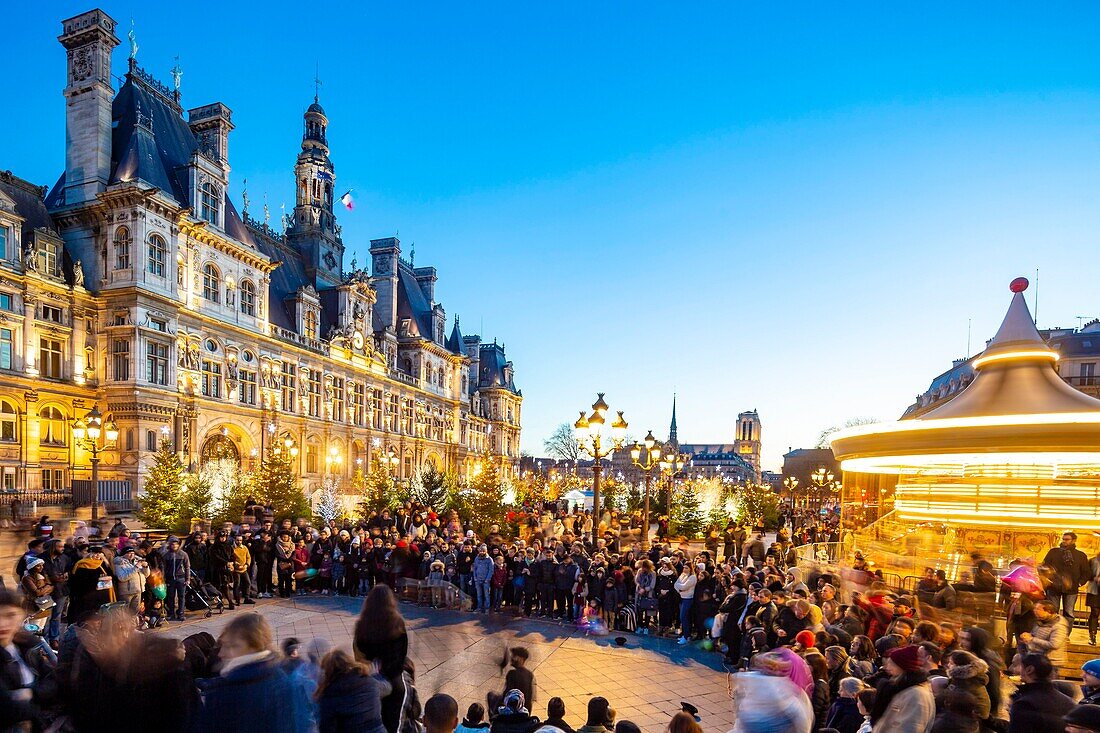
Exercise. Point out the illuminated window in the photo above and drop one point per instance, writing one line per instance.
(52, 426)
(210, 202)
(9, 432)
(248, 298)
(211, 283)
(158, 255)
(122, 248)
(49, 358)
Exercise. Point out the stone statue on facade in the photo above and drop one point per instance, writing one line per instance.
(78, 274)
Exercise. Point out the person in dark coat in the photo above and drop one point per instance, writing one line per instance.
(349, 696)
(90, 585)
(1037, 705)
(23, 699)
(252, 694)
(220, 570)
(380, 637)
(734, 606)
(959, 714)
(1070, 569)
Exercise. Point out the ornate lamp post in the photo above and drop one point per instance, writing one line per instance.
(654, 459)
(594, 438)
(86, 434)
(822, 481)
(791, 483)
(652, 450)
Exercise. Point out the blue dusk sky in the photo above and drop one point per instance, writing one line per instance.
(792, 207)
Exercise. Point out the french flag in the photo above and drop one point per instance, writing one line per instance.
(347, 201)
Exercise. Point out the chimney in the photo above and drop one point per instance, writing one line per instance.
(88, 39)
(211, 125)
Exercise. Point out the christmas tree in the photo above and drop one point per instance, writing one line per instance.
(432, 488)
(687, 517)
(275, 485)
(757, 505)
(328, 504)
(486, 497)
(162, 504)
(198, 502)
(379, 489)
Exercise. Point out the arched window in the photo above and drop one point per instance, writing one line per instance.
(210, 202)
(52, 426)
(210, 283)
(9, 422)
(158, 255)
(248, 298)
(122, 248)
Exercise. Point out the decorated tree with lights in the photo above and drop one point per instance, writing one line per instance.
(757, 504)
(687, 516)
(484, 498)
(433, 487)
(163, 503)
(274, 484)
(380, 490)
(328, 500)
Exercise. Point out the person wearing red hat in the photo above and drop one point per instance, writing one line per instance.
(804, 640)
(904, 703)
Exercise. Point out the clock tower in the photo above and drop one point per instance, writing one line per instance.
(313, 227)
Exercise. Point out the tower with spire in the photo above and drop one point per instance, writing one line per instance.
(673, 438)
(313, 229)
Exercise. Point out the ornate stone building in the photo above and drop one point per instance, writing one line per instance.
(134, 285)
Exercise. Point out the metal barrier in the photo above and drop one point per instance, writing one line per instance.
(114, 495)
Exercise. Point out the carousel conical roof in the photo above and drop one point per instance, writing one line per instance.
(1017, 409)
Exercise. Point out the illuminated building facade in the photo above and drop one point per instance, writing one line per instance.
(135, 285)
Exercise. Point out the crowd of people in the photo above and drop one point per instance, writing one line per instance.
(807, 648)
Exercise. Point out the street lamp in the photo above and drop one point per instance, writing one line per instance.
(654, 459)
(791, 483)
(86, 434)
(333, 460)
(823, 481)
(594, 439)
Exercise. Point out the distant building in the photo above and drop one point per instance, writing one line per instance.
(737, 461)
(801, 463)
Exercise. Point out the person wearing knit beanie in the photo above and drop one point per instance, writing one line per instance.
(905, 657)
(805, 639)
(1090, 676)
(1084, 718)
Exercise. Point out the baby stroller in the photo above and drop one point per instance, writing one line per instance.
(202, 596)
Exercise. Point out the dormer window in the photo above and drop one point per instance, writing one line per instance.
(48, 258)
(310, 324)
(210, 202)
(210, 283)
(122, 248)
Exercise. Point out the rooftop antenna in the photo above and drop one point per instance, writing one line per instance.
(1080, 321)
(968, 320)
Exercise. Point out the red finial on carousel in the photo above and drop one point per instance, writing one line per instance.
(1018, 285)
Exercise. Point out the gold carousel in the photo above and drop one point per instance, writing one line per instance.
(999, 471)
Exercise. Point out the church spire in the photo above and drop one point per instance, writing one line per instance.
(672, 437)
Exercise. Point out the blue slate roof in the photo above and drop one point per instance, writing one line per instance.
(495, 369)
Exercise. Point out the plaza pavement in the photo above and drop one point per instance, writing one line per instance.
(459, 653)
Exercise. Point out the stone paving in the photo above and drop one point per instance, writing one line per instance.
(459, 653)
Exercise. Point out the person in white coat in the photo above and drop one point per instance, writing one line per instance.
(685, 586)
